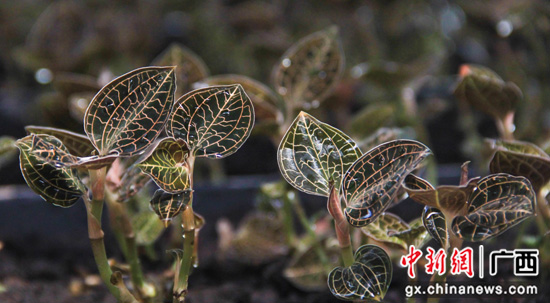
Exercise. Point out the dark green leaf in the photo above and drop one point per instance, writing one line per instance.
(447, 198)
(167, 205)
(372, 182)
(168, 166)
(367, 279)
(128, 113)
(313, 155)
(485, 90)
(189, 67)
(522, 159)
(309, 69)
(435, 224)
(371, 118)
(77, 144)
(499, 202)
(57, 184)
(214, 121)
(131, 183)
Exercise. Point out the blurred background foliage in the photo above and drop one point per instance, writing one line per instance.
(402, 60)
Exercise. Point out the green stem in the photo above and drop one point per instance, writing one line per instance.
(299, 210)
(184, 269)
(96, 235)
(288, 224)
(122, 226)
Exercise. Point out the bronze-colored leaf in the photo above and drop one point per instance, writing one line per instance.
(434, 221)
(168, 165)
(168, 205)
(128, 114)
(189, 66)
(313, 155)
(485, 90)
(214, 121)
(309, 69)
(499, 202)
(56, 183)
(372, 182)
(447, 198)
(77, 144)
(367, 279)
(521, 159)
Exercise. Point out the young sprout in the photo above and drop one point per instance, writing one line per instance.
(319, 159)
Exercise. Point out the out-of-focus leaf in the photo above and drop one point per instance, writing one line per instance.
(214, 121)
(168, 205)
(78, 104)
(447, 198)
(521, 159)
(147, 227)
(384, 228)
(313, 155)
(128, 113)
(367, 279)
(266, 103)
(383, 135)
(306, 271)
(57, 184)
(168, 166)
(372, 182)
(259, 240)
(434, 221)
(8, 149)
(371, 118)
(485, 90)
(309, 69)
(189, 66)
(131, 183)
(77, 144)
(499, 202)
(69, 83)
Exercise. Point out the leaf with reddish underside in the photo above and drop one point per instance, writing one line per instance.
(168, 205)
(54, 182)
(190, 68)
(371, 184)
(486, 91)
(129, 113)
(368, 278)
(168, 165)
(77, 144)
(499, 202)
(313, 155)
(214, 121)
(447, 198)
(309, 69)
(521, 159)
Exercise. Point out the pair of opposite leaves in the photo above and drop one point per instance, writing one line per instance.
(124, 119)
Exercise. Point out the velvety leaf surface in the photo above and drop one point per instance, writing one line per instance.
(448, 198)
(214, 121)
(434, 221)
(312, 155)
(77, 144)
(168, 205)
(168, 166)
(372, 182)
(521, 159)
(190, 68)
(499, 202)
(367, 279)
(486, 91)
(309, 69)
(55, 183)
(129, 112)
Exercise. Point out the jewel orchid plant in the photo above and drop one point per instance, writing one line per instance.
(123, 124)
